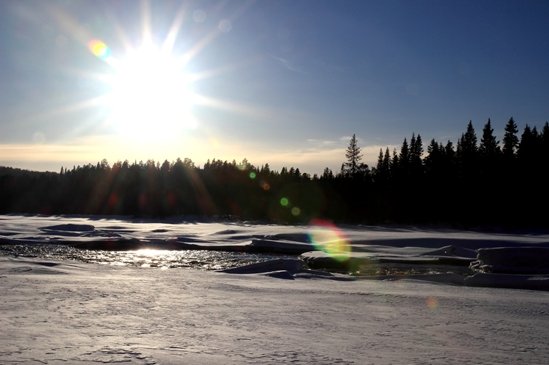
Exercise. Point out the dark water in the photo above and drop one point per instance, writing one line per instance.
(163, 259)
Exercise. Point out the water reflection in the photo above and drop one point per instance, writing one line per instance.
(147, 258)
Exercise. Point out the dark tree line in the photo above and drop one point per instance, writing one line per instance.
(473, 183)
(476, 182)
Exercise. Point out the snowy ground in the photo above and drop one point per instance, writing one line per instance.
(59, 311)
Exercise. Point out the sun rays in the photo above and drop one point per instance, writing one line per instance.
(146, 93)
(150, 95)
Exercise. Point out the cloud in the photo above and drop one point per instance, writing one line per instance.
(46, 152)
(311, 157)
(289, 65)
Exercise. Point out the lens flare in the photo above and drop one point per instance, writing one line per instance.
(432, 303)
(325, 236)
(99, 49)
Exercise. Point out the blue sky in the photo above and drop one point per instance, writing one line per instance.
(283, 82)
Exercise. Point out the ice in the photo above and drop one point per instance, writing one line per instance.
(437, 255)
(285, 269)
(425, 305)
(291, 266)
(513, 260)
(532, 282)
(96, 314)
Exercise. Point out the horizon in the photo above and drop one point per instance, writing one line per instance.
(285, 83)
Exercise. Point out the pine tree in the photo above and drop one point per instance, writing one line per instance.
(404, 156)
(383, 166)
(468, 141)
(402, 169)
(526, 145)
(545, 134)
(379, 159)
(394, 162)
(433, 158)
(489, 145)
(327, 174)
(353, 155)
(510, 140)
(416, 151)
(467, 157)
(545, 142)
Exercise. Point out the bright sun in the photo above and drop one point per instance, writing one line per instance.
(150, 93)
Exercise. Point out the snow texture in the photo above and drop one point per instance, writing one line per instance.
(60, 312)
(70, 312)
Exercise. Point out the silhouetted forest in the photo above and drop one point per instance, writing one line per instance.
(473, 183)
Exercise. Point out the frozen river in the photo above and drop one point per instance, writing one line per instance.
(144, 305)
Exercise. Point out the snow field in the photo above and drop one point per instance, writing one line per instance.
(87, 314)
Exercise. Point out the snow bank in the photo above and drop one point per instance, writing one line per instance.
(97, 314)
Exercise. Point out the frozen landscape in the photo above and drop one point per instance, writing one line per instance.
(85, 290)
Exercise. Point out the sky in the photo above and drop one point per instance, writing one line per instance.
(284, 82)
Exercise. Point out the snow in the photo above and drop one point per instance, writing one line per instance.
(57, 310)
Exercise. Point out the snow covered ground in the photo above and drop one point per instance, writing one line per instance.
(62, 309)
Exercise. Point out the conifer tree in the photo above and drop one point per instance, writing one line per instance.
(383, 166)
(379, 160)
(327, 174)
(404, 156)
(434, 156)
(394, 163)
(387, 160)
(468, 141)
(353, 165)
(467, 153)
(489, 145)
(416, 152)
(526, 144)
(510, 139)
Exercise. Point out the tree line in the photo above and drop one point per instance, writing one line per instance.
(472, 183)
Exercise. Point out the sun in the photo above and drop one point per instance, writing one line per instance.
(149, 96)
(150, 93)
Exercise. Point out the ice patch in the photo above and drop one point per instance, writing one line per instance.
(513, 260)
(285, 269)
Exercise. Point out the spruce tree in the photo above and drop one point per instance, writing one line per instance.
(387, 161)
(352, 166)
(468, 141)
(467, 152)
(489, 146)
(416, 151)
(510, 140)
(383, 166)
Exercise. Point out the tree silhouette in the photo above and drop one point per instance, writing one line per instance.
(489, 145)
(352, 167)
(510, 140)
(416, 162)
(383, 168)
(467, 153)
(471, 185)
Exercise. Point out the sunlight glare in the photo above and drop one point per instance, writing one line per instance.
(325, 236)
(100, 50)
(151, 95)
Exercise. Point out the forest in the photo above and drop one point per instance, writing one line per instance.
(474, 183)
